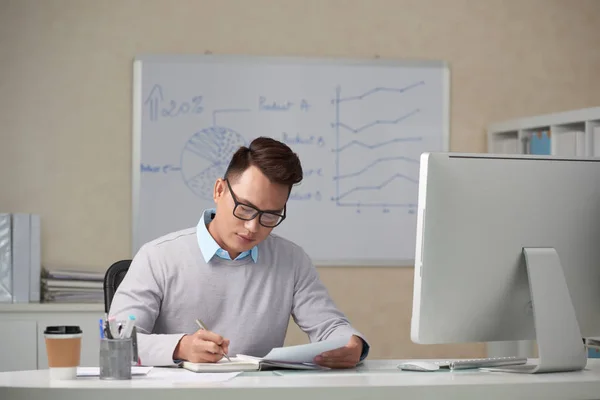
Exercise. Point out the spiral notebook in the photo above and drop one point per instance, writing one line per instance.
(290, 357)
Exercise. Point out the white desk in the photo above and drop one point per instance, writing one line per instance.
(373, 380)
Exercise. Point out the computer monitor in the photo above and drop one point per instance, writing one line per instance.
(508, 249)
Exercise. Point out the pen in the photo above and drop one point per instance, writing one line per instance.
(101, 329)
(107, 333)
(134, 345)
(126, 332)
(113, 328)
(202, 326)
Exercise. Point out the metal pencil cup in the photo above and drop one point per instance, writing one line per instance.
(116, 356)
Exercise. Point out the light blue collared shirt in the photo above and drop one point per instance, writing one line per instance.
(208, 245)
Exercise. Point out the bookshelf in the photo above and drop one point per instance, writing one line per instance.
(574, 133)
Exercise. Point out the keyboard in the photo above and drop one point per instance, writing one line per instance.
(480, 362)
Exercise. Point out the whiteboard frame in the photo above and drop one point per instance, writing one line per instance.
(207, 58)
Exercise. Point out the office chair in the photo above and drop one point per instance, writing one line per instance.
(112, 279)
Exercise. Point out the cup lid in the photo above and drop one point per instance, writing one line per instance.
(62, 330)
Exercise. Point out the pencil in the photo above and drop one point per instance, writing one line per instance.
(202, 326)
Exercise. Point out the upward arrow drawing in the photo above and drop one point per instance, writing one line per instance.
(153, 100)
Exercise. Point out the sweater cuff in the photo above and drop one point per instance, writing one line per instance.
(365, 349)
(349, 331)
(157, 350)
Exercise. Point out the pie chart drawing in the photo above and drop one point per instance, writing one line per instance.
(205, 158)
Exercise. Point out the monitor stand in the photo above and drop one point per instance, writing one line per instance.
(560, 344)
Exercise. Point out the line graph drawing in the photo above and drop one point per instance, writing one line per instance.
(377, 122)
(374, 146)
(380, 89)
(377, 205)
(377, 187)
(379, 160)
(389, 175)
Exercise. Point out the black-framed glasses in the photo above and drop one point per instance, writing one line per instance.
(246, 212)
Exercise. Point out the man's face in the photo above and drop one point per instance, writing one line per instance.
(250, 188)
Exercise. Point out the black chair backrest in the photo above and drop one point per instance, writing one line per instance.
(112, 279)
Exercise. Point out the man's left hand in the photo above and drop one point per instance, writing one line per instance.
(344, 357)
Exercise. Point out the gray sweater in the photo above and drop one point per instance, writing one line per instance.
(169, 285)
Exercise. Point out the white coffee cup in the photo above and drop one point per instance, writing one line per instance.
(63, 348)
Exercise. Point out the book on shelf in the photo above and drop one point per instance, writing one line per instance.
(539, 143)
(568, 143)
(596, 141)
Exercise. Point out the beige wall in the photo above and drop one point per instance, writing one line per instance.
(65, 103)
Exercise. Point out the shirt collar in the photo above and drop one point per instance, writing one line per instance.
(208, 245)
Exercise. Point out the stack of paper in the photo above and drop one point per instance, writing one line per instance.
(67, 286)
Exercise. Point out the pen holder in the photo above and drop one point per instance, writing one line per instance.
(116, 356)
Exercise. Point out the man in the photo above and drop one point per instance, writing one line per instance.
(234, 275)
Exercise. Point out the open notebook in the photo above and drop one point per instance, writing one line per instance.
(290, 357)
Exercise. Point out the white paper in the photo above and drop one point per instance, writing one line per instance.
(95, 371)
(305, 353)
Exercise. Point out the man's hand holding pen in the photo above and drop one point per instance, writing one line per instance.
(201, 346)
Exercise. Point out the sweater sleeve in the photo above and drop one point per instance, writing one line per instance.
(313, 309)
(140, 294)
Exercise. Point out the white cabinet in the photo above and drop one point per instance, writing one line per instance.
(16, 351)
(22, 344)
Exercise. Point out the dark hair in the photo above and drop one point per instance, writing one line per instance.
(273, 158)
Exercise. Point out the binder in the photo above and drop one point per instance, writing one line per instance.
(596, 141)
(35, 258)
(5, 258)
(21, 254)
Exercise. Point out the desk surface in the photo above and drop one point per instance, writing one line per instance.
(374, 379)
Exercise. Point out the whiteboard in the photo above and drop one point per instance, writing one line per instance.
(358, 126)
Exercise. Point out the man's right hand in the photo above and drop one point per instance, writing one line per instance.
(201, 346)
